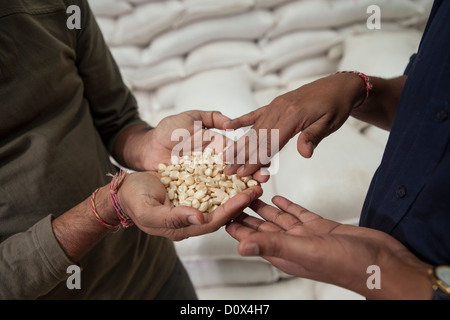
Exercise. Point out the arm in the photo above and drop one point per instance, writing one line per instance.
(317, 110)
(112, 105)
(51, 245)
(77, 230)
(380, 108)
(304, 244)
(137, 146)
(131, 141)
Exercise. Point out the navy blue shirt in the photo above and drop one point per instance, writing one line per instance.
(409, 196)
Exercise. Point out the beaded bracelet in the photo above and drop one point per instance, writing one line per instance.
(367, 83)
(96, 215)
(114, 186)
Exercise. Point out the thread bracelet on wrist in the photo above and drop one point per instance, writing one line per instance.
(96, 214)
(114, 186)
(367, 84)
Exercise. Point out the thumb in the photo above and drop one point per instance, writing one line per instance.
(310, 138)
(234, 206)
(180, 217)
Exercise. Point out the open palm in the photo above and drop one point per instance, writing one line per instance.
(304, 244)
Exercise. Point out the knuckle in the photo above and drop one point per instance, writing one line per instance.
(280, 102)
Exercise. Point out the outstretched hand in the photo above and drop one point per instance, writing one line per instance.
(303, 244)
(316, 110)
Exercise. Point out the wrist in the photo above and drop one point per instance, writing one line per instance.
(413, 283)
(113, 216)
(114, 188)
(401, 279)
(103, 209)
(78, 229)
(359, 87)
(129, 149)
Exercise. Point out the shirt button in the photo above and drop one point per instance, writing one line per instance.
(442, 115)
(400, 192)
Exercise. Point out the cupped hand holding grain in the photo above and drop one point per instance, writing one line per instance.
(145, 200)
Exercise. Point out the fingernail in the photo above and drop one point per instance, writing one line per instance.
(227, 169)
(312, 146)
(253, 193)
(250, 249)
(193, 220)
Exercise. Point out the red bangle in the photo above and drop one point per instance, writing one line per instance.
(114, 186)
(367, 83)
(96, 215)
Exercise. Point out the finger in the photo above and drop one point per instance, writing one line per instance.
(199, 140)
(310, 137)
(252, 151)
(282, 219)
(261, 145)
(245, 150)
(279, 245)
(247, 155)
(269, 244)
(245, 120)
(257, 224)
(214, 141)
(250, 169)
(210, 119)
(233, 207)
(261, 176)
(242, 151)
(186, 222)
(239, 231)
(169, 217)
(301, 213)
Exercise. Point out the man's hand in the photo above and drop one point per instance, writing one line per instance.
(304, 244)
(144, 198)
(142, 148)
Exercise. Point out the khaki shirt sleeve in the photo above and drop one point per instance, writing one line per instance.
(45, 266)
(113, 106)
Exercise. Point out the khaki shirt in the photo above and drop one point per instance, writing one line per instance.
(62, 105)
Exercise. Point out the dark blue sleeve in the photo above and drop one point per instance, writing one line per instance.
(410, 64)
(439, 295)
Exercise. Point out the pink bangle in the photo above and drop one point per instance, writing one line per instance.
(114, 186)
(96, 215)
(367, 83)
